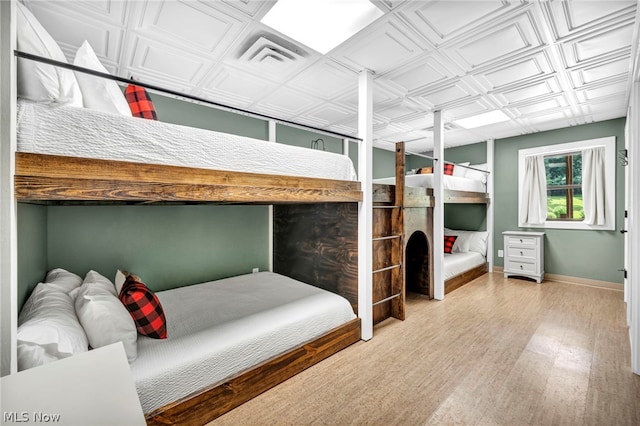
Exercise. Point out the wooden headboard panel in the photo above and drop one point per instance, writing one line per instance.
(318, 244)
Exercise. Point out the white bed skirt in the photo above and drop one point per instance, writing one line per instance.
(219, 329)
(82, 132)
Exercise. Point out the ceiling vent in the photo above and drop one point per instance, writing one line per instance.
(264, 52)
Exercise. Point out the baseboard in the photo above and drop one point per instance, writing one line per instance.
(575, 280)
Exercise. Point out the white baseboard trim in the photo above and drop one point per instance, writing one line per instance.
(607, 285)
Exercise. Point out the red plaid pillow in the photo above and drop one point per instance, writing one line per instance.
(449, 240)
(140, 103)
(144, 306)
(448, 169)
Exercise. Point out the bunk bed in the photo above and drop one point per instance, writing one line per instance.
(414, 193)
(65, 156)
(47, 174)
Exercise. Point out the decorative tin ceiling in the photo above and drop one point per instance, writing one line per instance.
(546, 64)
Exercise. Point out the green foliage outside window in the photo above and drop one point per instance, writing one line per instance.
(564, 187)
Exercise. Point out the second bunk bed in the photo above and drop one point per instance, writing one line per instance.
(403, 221)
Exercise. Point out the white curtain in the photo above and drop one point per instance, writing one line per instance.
(533, 203)
(593, 185)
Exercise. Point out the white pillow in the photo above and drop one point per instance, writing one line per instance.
(37, 81)
(104, 318)
(477, 175)
(98, 93)
(469, 241)
(460, 171)
(100, 280)
(48, 328)
(63, 280)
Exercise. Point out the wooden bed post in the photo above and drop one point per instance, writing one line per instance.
(398, 251)
(365, 208)
(8, 205)
(438, 209)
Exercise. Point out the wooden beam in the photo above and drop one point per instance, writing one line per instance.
(51, 177)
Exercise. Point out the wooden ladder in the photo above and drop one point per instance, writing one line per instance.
(388, 247)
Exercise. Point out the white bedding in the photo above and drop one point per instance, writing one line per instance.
(455, 183)
(221, 328)
(81, 132)
(456, 263)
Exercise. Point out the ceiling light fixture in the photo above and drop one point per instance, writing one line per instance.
(484, 119)
(321, 24)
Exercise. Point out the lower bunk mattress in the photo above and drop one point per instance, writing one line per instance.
(219, 329)
(459, 262)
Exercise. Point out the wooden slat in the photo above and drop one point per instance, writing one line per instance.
(465, 277)
(50, 177)
(462, 197)
(202, 407)
(318, 245)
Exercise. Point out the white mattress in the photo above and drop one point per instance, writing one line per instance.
(221, 328)
(81, 132)
(455, 183)
(457, 263)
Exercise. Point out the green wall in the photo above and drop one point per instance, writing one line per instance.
(175, 111)
(168, 246)
(587, 254)
(32, 248)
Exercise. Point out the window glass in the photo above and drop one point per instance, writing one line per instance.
(564, 186)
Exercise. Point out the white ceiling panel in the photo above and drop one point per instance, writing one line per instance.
(71, 29)
(519, 71)
(199, 28)
(570, 17)
(237, 87)
(601, 72)
(510, 39)
(615, 41)
(150, 57)
(547, 64)
(326, 80)
(441, 21)
(388, 47)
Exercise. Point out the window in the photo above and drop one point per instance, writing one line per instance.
(563, 176)
(564, 186)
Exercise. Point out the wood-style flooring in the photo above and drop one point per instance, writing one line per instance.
(494, 352)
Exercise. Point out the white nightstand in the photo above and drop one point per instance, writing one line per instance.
(524, 254)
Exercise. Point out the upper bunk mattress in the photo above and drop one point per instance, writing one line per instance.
(221, 328)
(454, 183)
(82, 132)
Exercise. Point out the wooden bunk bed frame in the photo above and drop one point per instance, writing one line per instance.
(410, 209)
(51, 179)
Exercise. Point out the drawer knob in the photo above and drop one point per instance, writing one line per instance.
(521, 253)
(520, 239)
(520, 266)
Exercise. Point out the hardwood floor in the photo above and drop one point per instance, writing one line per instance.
(494, 352)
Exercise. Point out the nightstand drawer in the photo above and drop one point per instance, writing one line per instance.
(521, 240)
(515, 266)
(521, 252)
